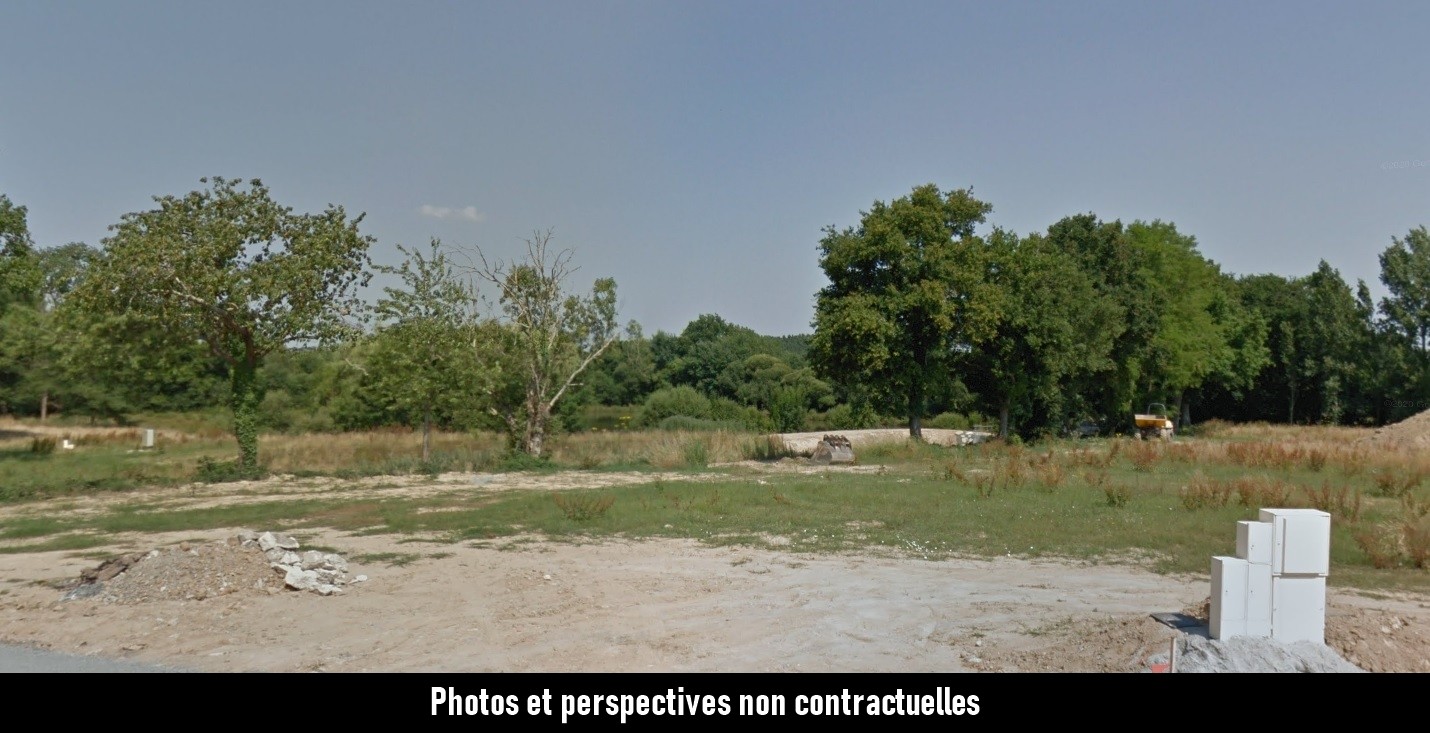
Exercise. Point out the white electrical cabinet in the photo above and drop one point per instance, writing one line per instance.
(1276, 585)
(1258, 600)
(1300, 540)
(1253, 542)
(1228, 612)
(1298, 609)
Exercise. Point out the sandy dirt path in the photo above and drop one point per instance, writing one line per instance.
(613, 606)
(660, 605)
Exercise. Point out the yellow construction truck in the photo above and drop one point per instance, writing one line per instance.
(1155, 423)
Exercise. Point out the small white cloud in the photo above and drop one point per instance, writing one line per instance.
(469, 213)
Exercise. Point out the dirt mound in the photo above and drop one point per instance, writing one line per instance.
(187, 573)
(1357, 638)
(249, 562)
(1413, 431)
(1380, 641)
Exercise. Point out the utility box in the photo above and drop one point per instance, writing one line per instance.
(1300, 540)
(1228, 611)
(1298, 609)
(147, 442)
(1253, 542)
(1258, 599)
(1276, 586)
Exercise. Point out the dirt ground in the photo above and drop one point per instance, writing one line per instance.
(523, 604)
(650, 606)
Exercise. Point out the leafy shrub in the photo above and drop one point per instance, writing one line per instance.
(787, 410)
(42, 446)
(955, 421)
(1117, 495)
(697, 425)
(214, 472)
(682, 401)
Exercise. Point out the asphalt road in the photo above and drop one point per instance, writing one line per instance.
(25, 659)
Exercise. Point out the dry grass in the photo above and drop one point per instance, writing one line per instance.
(1144, 456)
(17, 433)
(467, 451)
(1340, 502)
(1202, 493)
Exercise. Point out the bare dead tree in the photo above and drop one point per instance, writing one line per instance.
(548, 336)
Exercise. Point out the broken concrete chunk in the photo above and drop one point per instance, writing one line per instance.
(299, 579)
(327, 589)
(247, 535)
(312, 559)
(268, 541)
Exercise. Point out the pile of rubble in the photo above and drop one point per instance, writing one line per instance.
(319, 572)
(250, 561)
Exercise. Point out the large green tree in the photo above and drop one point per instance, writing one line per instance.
(228, 266)
(421, 359)
(1405, 271)
(1202, 331)
(1105, 254)
(19, 267)
(1053, 326)
(906, 292)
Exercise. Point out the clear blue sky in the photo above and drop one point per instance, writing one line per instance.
(694, 150)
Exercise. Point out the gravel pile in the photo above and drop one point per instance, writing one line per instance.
(1255, 654)
(249, 562)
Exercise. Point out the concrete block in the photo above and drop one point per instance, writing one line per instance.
(1301, 541)
(1228, 611)
(1298, 610)
(1253, 542)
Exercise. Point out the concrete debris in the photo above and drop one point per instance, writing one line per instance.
(110, 569)
(192, 572)
(1259, 654)
(267, 541)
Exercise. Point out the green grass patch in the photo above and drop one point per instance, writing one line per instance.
(391, 559)
(62, 542)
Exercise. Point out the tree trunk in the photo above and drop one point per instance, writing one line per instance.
(1003, 411)
(44, 405)
(533, 439)
(916, 410)
(246, 397)
(1177, 411)
(426, 433)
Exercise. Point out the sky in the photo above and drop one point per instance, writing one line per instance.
(695, 151)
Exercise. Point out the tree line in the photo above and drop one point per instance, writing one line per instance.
(224, 297)
(1091, 320)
